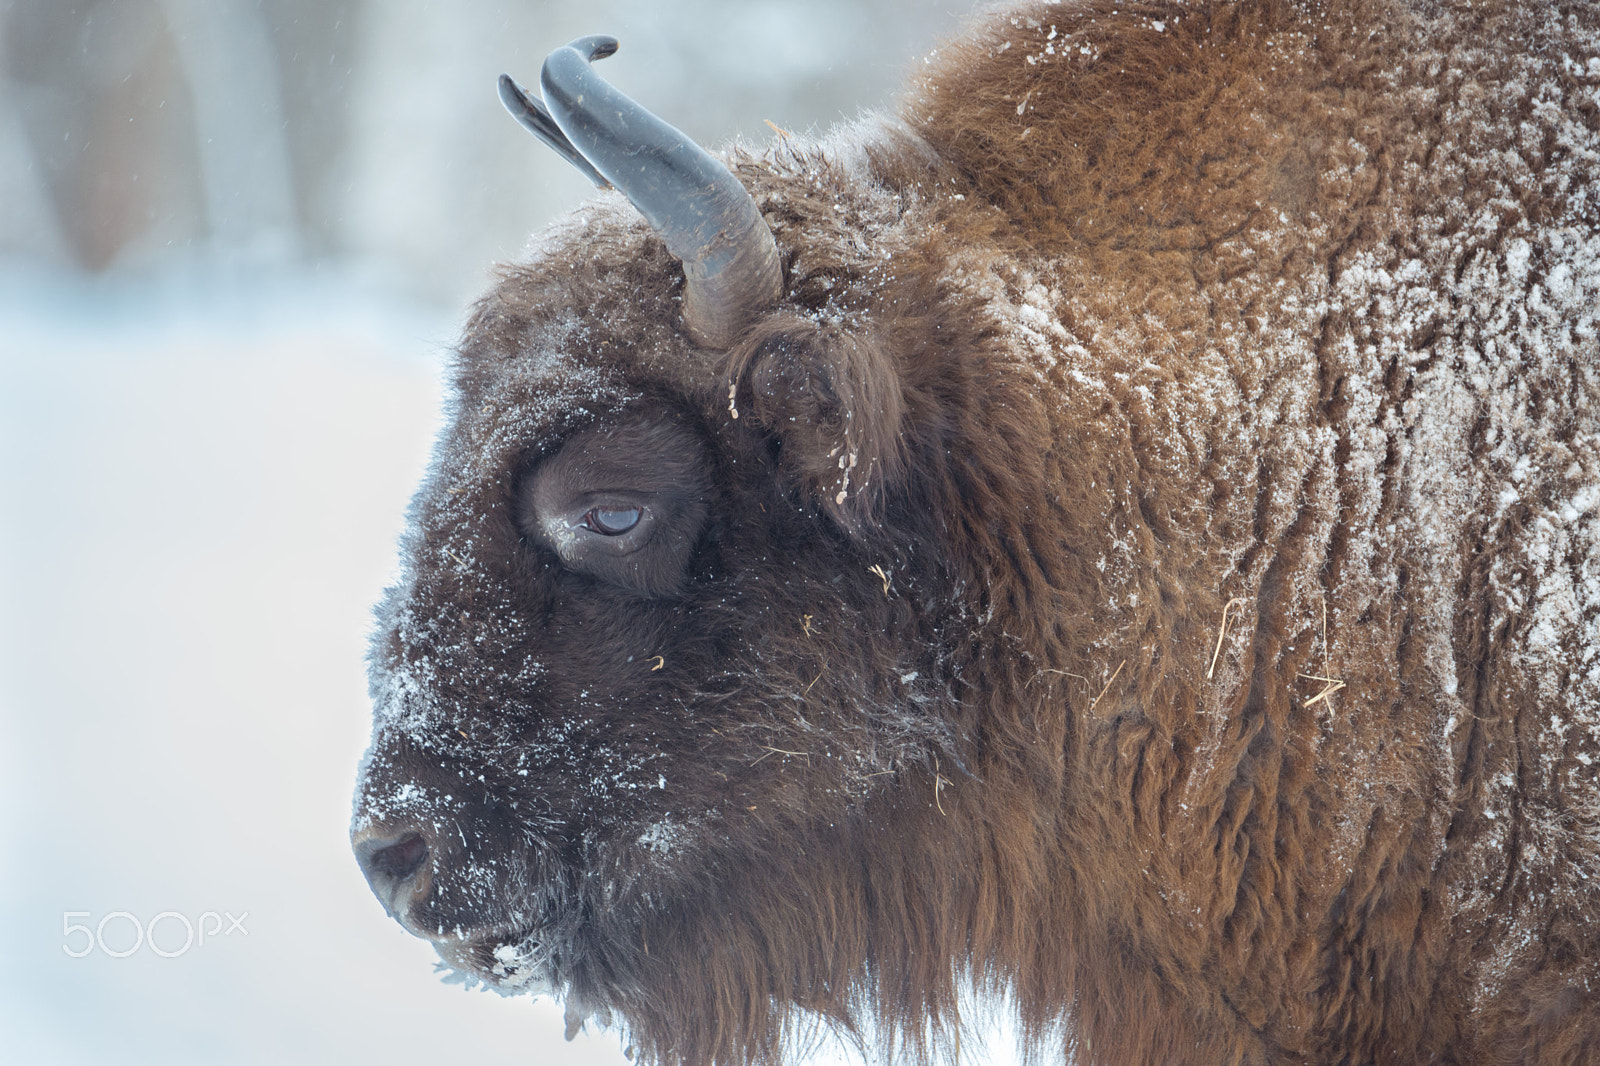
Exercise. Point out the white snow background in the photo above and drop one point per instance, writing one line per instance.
(206, 449)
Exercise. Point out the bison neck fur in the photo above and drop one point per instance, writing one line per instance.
(1146, 568)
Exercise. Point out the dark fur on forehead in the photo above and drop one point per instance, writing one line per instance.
(635, 445)
(605, 271)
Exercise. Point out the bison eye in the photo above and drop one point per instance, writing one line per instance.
(625, 500)
(611, 521)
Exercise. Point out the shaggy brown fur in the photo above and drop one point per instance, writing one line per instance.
(1149, 564)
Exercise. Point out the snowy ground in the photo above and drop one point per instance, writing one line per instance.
(201, 495)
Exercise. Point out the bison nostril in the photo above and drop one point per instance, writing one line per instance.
(391, 864)
(400, 859)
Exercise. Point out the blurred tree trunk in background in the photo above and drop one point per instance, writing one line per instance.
(240, 129)
(102, 105)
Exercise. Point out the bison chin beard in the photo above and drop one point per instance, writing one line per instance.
(553, 928)
(512, 957)
(511, 964)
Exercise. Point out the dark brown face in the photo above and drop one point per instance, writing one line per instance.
(478, 813)
(635, 650)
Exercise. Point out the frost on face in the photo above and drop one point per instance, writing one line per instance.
(399, 800)
(661, 837)
(462, 527)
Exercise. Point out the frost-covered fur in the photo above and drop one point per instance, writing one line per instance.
(1153, 567)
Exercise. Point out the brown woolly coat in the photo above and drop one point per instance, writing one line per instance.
(1153, 567)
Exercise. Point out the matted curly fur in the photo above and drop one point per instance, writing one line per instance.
(1150, 567)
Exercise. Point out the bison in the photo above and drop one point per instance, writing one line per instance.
(1120, 533)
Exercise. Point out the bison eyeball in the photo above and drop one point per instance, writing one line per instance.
(612, 521)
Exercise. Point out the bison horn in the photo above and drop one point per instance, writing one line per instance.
(707, 218)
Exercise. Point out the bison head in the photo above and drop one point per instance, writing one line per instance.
(675, 694)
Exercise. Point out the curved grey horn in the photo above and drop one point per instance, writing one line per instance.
(705, 215)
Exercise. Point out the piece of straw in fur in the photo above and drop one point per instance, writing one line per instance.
(1223, 632)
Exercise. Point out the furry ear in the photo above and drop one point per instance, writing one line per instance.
(832, 398)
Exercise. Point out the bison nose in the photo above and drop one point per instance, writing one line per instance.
(392, 864)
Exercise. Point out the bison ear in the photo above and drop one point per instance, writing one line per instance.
(832, 398)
